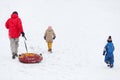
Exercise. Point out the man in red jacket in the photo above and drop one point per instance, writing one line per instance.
(14, 26)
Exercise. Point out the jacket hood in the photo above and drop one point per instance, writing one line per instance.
(14, 15)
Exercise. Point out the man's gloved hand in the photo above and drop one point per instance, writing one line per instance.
(23, 34)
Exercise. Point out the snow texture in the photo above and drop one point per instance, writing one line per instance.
(82, 28)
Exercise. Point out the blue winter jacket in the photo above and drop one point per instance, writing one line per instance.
(109, 48)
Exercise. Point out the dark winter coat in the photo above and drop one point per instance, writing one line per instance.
(14, 25)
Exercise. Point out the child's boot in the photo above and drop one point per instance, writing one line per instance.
(50, 50)
(111, 65)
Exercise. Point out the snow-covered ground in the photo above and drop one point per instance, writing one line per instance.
(81, 26)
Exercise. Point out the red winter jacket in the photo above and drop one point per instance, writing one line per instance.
(14, 26)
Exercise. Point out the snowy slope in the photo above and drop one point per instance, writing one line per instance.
(81, 26)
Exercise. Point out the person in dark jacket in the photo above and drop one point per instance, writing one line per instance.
(108, 52)
(49, 36)
(15, 29)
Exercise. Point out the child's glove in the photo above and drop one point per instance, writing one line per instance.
(44, 37)
(104, 53)
(54, 37)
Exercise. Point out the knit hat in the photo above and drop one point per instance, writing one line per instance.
(109, 39)
(49, 27)
(15, 12)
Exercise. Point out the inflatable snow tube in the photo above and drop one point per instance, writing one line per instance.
(30, 58)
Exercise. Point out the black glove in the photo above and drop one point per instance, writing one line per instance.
(54, 37)
(23, 34)
(44, 37)
(104, 53)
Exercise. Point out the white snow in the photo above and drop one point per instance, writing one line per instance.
(81, 26)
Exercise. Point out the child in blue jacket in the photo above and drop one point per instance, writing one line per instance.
(108, 52)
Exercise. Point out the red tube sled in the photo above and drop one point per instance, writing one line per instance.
(30, 58)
